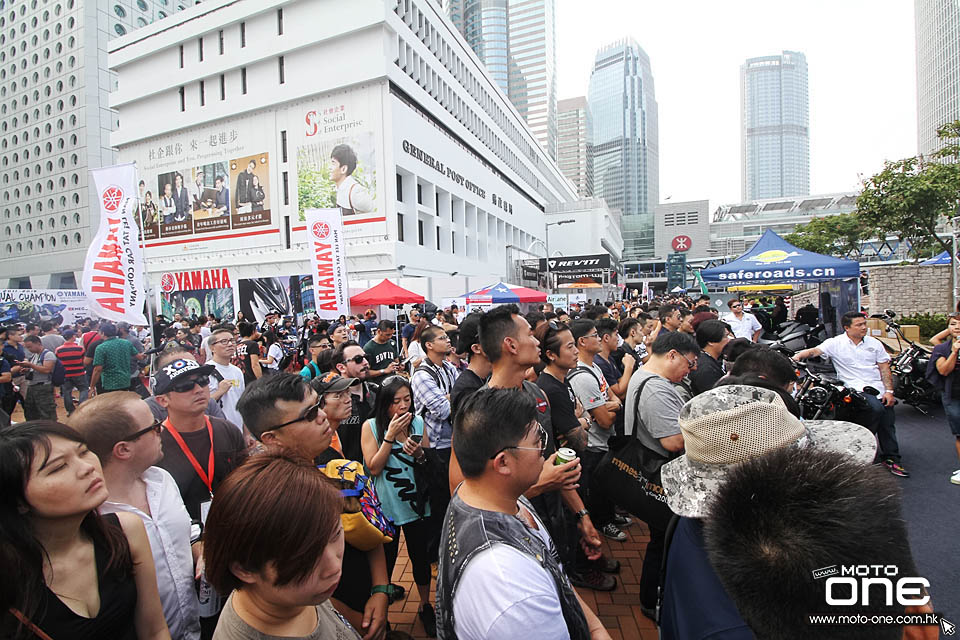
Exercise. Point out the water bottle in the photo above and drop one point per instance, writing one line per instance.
(209, 599)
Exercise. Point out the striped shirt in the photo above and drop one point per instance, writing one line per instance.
(71, 356)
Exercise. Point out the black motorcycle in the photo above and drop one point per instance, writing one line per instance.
(823, 397)
(795, 336)
(909, 369)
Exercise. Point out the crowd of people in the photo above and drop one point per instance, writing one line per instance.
(258, 484)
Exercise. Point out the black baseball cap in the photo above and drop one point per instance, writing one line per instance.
(332, 382)
(179, 370)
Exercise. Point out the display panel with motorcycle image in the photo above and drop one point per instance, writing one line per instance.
(60, 306)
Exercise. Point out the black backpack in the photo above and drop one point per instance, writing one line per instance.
(59, 375)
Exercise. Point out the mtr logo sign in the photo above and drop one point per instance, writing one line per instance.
(681, 243)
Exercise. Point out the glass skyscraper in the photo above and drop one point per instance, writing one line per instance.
(938, 68)
(516, 41)
(574, 150)
(774, 127)
(625, 138)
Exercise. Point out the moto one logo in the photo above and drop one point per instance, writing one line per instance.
(870, 584)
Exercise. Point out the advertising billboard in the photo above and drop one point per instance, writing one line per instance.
(199, 292)
(43, 305)
(206, 184)
(338, 158)
(292, 295)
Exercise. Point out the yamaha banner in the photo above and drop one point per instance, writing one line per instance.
(113, 271)
(328, 260)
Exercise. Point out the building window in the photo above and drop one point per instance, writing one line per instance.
(419, 195)
(283, 146)
(120, 11)
(119, 29)
(453, 242)
(223, 87)
(243, 80)
(200, 48)
(280, 22)
(420, 232)
(286, 188)
(399, 227)
(280, 69)
(202, 97)
(183, 103)
(142, 4)
(243, 34)
(438, 237)
(220, 36)
(181, 56)
(399, 188)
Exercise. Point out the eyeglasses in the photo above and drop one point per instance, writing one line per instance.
(307, 416)
(357, 359)
(156, 426)
(595, 334)
(227, 341)
(543, 443)
(324, 346)
(188, 385)
(690, 363)
(736, 306)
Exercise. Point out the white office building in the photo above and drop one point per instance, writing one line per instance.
(55, 124)
(252, 104)
(937, 26)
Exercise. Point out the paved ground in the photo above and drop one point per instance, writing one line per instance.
(930, 507)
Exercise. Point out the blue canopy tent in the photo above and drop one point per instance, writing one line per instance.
(943, 258)
(773, 260)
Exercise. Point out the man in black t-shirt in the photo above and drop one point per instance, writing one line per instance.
(248, 352)
(479, 367)
(382, 351)
(182, 387)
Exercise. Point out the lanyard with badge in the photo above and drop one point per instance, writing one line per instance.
(206, 477)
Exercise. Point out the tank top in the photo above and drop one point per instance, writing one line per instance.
(396, 484)
(118, 604)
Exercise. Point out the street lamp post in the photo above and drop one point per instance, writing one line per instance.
(546, 244)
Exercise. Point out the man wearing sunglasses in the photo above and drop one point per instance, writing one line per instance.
(744, 325)
(350, 361)
(120, 429)
(500, 575)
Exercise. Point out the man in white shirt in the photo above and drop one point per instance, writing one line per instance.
(121, 431)
(861, 361)
(743, 325)
(351, 197)
(499, 570)
(226, 384)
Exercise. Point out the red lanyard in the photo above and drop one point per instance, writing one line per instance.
(206, 477)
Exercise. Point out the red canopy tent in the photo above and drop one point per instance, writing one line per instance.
(386, 293)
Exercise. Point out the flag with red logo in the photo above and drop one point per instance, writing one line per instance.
(328, 260)
(113, 271)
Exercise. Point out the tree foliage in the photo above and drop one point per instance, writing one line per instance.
(838, 235)
(911, 197)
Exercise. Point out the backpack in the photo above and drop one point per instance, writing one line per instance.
(364, 524)
(436, 378)
(59, 375)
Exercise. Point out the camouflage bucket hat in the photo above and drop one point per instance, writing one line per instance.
(731, 424)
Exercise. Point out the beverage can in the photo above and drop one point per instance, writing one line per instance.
(565, 455)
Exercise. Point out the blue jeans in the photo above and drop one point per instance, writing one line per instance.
(66, 390)
(952, 409)
(880, 420)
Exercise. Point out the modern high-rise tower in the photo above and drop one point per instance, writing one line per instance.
(937, 25)
(625, 138)
(516, 41)
(774, 127)
(574, 150)
(56, 126)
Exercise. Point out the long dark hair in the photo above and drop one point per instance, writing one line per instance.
(381, 408)
(21, 554)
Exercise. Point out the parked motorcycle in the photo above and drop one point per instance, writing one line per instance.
(794, 336)
(909, 369)
(823, 397)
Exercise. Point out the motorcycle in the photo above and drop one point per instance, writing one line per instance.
(823, 397)
(909, 369)
(794, 336)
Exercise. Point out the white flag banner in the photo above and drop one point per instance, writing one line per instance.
(113, 271)
(328, 260)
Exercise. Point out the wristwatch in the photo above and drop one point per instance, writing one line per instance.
(582, 514)
(382, 588)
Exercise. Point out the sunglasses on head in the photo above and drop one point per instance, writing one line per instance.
(188, 385)
(156, 426)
